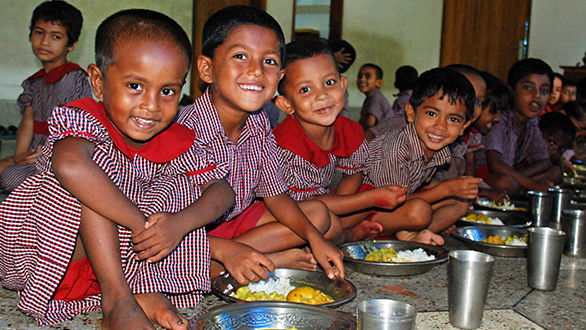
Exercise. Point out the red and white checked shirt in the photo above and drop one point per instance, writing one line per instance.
(253, 165)
(39, 221)
(309, 170)
(396, 158)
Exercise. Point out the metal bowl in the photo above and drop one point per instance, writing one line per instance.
(483, 204)
(355, 252)
(473, 235)
(577, 184)
(272, 315)
(510, 219)
(342, 291)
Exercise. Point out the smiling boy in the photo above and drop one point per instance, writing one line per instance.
(375, 108)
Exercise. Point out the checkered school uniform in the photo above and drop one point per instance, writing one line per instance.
(43, 91)
(396, 158)
(309, 170)
(253, 165)
(39, 221)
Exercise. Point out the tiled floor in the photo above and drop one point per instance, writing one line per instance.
(511, 304)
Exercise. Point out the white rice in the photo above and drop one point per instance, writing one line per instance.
(414, 255)
(281, 286)
(517, 242)
(496, 221)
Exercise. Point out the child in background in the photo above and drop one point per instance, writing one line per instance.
(315, 141)
(439, 110)
(556, 92)
(516, 153)
(120, 183)
(569, 90)
(54, 31)
(345, 55)
(375, 108)
(576, 111)
(405, 79)
(559, 134)
(241, 61)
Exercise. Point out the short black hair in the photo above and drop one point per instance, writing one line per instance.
(302, 49)
(59, 12)
(526, 67)
(218, 27)
(568, 82)
(405, 77)
(137, 24)
(450, 83)
(558, 125)
(337, 45)
(498, 95)
(378, 69)
(575, 110)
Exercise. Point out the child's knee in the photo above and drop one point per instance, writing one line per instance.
(318, 213)
(418, 212)
(336, 230)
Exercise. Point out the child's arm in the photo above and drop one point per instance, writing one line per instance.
(495, 164)
(243, 262)
(370, 121)
(164, 231)
(348, 200)
(23, 154)
(289, 214)
(461, 187)
(85, 180)
(470, 166)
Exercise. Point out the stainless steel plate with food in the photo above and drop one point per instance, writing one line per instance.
(272, 315)
(356, 252)
(341, 291)
(506, 206)
(473, 236)
(577, 184)
(494, 218)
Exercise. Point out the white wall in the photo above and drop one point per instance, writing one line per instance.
(558, 32)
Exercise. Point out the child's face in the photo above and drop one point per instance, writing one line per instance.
(314, 90)
(245, 70)
(367, 80)
(437, 122)
(49, 42)
(141, 88)
(480, 91)
(555, 146)
(531, 94)
(487, 118)
(556, 91)
(568, 94)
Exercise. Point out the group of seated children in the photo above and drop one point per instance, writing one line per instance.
(132, 206)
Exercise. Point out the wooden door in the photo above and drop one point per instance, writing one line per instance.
(490, 35)
(202, 9)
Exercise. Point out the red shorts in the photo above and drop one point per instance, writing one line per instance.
(242, 223)
(78, 283)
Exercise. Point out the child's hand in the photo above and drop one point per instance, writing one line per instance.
(496, 196)
(389, 197)
(324, 253)
(247, 265)
(28, 157)
(160, 237)
(464, 187)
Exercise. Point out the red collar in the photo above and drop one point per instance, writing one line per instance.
(348, 136)
(56, 74)
(164, 147)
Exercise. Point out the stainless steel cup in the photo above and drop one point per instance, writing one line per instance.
(575, 227)
(544, 254)
(539, 207)
(561, 199)
(469, 274)
(383, 314)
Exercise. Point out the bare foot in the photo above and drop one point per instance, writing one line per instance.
(424, 236)
(365, 230)
(160, 310)
(124, 314)
(294, 258)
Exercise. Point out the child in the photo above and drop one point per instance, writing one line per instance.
(405, 78)
(375, 108)
(439, 110)
(345, 55)
(241, 62)
(516, 153)
(576, 111)
(559, 134)
(315, 141)
(569, 90)
(556, 92)
(122, 177)
(54, 31)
